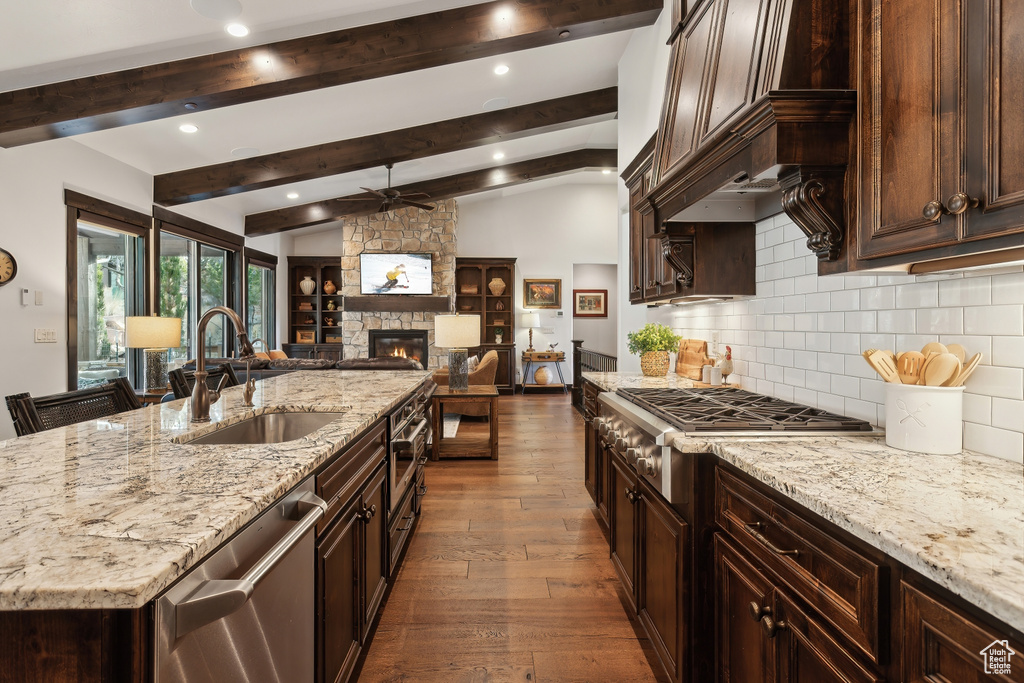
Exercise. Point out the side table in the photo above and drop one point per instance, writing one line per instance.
(465, 447)
(531, 357)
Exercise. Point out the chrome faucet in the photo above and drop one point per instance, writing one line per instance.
(202, 397)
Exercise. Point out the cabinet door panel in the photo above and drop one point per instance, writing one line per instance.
(941, 644)
(636, 245)
(808, 654)
(736, 61)
(744, 654)
(622, 524)
(910, 120)
(995, 97)
(338, 598)
(375, 559)
(663, 582)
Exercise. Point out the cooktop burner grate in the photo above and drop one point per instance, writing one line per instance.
(707, 410)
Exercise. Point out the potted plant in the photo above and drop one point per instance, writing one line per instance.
(652, 343)
(499, 334)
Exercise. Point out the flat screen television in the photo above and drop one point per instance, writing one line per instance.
(396, 274)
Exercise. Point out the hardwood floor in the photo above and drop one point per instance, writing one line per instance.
(507, 577)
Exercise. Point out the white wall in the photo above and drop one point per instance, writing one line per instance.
(643, 71)
(800, 338)
(546, 230)
(598, 334)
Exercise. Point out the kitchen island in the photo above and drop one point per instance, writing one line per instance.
(102, 516)
(956, 520)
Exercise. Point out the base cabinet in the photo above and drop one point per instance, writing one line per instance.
(622, 524)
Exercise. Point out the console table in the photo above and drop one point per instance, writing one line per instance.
(465, 447)
(531, 357)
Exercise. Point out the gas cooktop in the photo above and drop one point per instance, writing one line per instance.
(736, 410)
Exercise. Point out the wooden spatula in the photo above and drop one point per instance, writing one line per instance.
(885, 366)
(909, 366)
(966, 372)
(942, 369)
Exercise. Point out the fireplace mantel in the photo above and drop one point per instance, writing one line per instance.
(396, 303)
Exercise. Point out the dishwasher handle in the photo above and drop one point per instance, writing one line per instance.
(217, 598)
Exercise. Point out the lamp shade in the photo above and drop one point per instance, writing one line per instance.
(457, 331)
(531, 319)
(152, 332)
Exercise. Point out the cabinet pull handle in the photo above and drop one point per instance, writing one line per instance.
(752, 529)
(631, 496)
(772, 628)
(955, 206)
(368, 512)
(757, 612)
(422, 489)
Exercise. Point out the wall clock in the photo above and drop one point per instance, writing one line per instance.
(8, 267)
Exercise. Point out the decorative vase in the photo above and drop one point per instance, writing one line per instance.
(497, 286)
(329, 287)
(542, 376)
(500, 306)
(654, 363)
(307, 285)
(498, 338)
(330, 305)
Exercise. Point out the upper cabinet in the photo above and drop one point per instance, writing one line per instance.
(942, 127)
(759, 98)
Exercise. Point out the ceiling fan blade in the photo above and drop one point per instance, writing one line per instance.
(425, 207)
(415, 194)
(374, 192)
(384, 207)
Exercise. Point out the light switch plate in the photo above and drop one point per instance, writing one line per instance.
(24, 296)
(45, 335)
(39, 297)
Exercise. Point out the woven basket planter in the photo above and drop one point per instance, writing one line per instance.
(654, 363)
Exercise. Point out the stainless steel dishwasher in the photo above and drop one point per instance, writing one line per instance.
(245, 613)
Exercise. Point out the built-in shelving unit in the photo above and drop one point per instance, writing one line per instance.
(473, 296)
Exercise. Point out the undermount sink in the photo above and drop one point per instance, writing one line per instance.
(266, 428)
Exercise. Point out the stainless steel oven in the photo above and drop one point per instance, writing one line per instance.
(410, 436)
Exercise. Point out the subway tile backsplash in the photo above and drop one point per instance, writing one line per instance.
(800, 338)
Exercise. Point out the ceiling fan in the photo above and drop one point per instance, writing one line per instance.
(392, 198)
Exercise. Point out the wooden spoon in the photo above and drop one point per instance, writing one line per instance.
(934, 347)
(909, 366)
(924, 366)
(966, 372)
(958, 351)
(942, 369)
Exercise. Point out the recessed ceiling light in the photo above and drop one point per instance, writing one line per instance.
(498, 156)
(237, 30)
(607, 171)
(501, 69)
(495, 103)
(244, 152)
(564, 34)
(188, 128)
(292, 195)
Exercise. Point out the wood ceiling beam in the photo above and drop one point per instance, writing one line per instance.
(292, 66)
(294, 217)
(345, 156)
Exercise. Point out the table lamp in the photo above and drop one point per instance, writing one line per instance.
(457, 333)
(531, 320)
(154, 335)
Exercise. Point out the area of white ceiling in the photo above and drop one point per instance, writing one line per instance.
(52, 40)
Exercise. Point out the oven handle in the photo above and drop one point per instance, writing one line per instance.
(403, 444)
(217, 598)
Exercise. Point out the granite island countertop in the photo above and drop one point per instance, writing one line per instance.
(956, 519)
(108, 513)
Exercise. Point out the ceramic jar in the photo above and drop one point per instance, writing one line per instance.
(498, 338)
(654, 363)
(307, 285)
(497, 286)
(542, 375)
(329, 287)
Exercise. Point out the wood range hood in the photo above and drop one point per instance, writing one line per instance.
(758, 100)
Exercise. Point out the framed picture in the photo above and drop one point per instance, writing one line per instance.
(305, 337)
(590, 303)
(542, 293)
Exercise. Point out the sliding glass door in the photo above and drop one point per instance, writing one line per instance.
(259, 309)
(110, 265)
(194, 278)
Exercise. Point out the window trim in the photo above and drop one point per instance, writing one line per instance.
(261, 259)
(114, 217)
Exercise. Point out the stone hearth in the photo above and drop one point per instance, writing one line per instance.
(403, 230)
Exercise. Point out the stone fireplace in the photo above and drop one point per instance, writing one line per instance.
(402, 230)
(403, 343)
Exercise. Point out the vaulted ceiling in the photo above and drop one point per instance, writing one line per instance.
(321, 94)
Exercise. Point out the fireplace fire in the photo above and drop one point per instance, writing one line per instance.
(400, 343)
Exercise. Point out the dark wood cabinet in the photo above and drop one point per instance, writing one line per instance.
(664, 580)
(374, 569)
(622, 497)
(940, 177)
(637, 177)
(310, 316)
(742, 596)
(338, 634)
(473, 296)
(943, 643)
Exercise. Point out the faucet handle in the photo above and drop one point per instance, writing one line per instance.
(215, 393)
